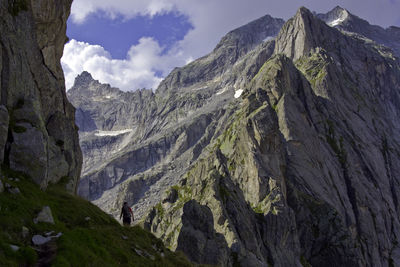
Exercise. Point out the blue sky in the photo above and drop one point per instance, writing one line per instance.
(133, 44)
(119, 34)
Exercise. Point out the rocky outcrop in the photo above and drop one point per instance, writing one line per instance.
(38, 135)
(45, 216)
(306, 171)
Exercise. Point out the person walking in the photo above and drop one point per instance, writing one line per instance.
(126, 214)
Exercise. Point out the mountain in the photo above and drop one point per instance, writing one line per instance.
(266, 152)
(129, 139)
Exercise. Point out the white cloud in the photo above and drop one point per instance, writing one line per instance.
(136, 71)
(211, 19)
(127, 8)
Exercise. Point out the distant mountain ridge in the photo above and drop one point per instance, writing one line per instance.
(266, 152)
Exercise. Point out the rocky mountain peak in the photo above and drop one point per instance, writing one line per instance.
(342, 19)
(301, 34)
(85, 87)
(83, 80)
(351, 24)
(251, 34)
(336, 16)
(232, 47)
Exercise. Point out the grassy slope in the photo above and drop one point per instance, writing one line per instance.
(96, 242)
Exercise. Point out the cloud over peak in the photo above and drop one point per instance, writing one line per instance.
(137, 71)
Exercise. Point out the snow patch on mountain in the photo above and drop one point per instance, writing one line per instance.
(336, 22)
(112, 133)
(238, 93)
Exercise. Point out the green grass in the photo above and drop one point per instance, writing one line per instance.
(94, 242)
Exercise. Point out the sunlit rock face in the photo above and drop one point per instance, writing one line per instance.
(38, 134)
(266, 152)
(145, 140)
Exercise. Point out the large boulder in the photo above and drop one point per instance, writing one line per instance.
(45, 215)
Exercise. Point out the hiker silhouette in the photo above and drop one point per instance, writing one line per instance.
(126, 214)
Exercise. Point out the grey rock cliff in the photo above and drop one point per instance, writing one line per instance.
(306, 170)
(38, 134)
(197, 237)
(162, 132)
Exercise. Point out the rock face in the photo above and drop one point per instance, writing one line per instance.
(280, 152)
(306, 170)
(197, 237)
(138, 144)
(229, 50)
(108, 118)
(38, 134)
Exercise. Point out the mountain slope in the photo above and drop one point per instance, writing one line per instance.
(89, 237)
(307, 169)
(173, 124)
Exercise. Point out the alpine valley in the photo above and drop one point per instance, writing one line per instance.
(279, 148)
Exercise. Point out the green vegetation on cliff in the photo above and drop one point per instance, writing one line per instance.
(89, 237)
(314, 66)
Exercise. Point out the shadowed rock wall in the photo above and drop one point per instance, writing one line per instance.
(38, 134)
